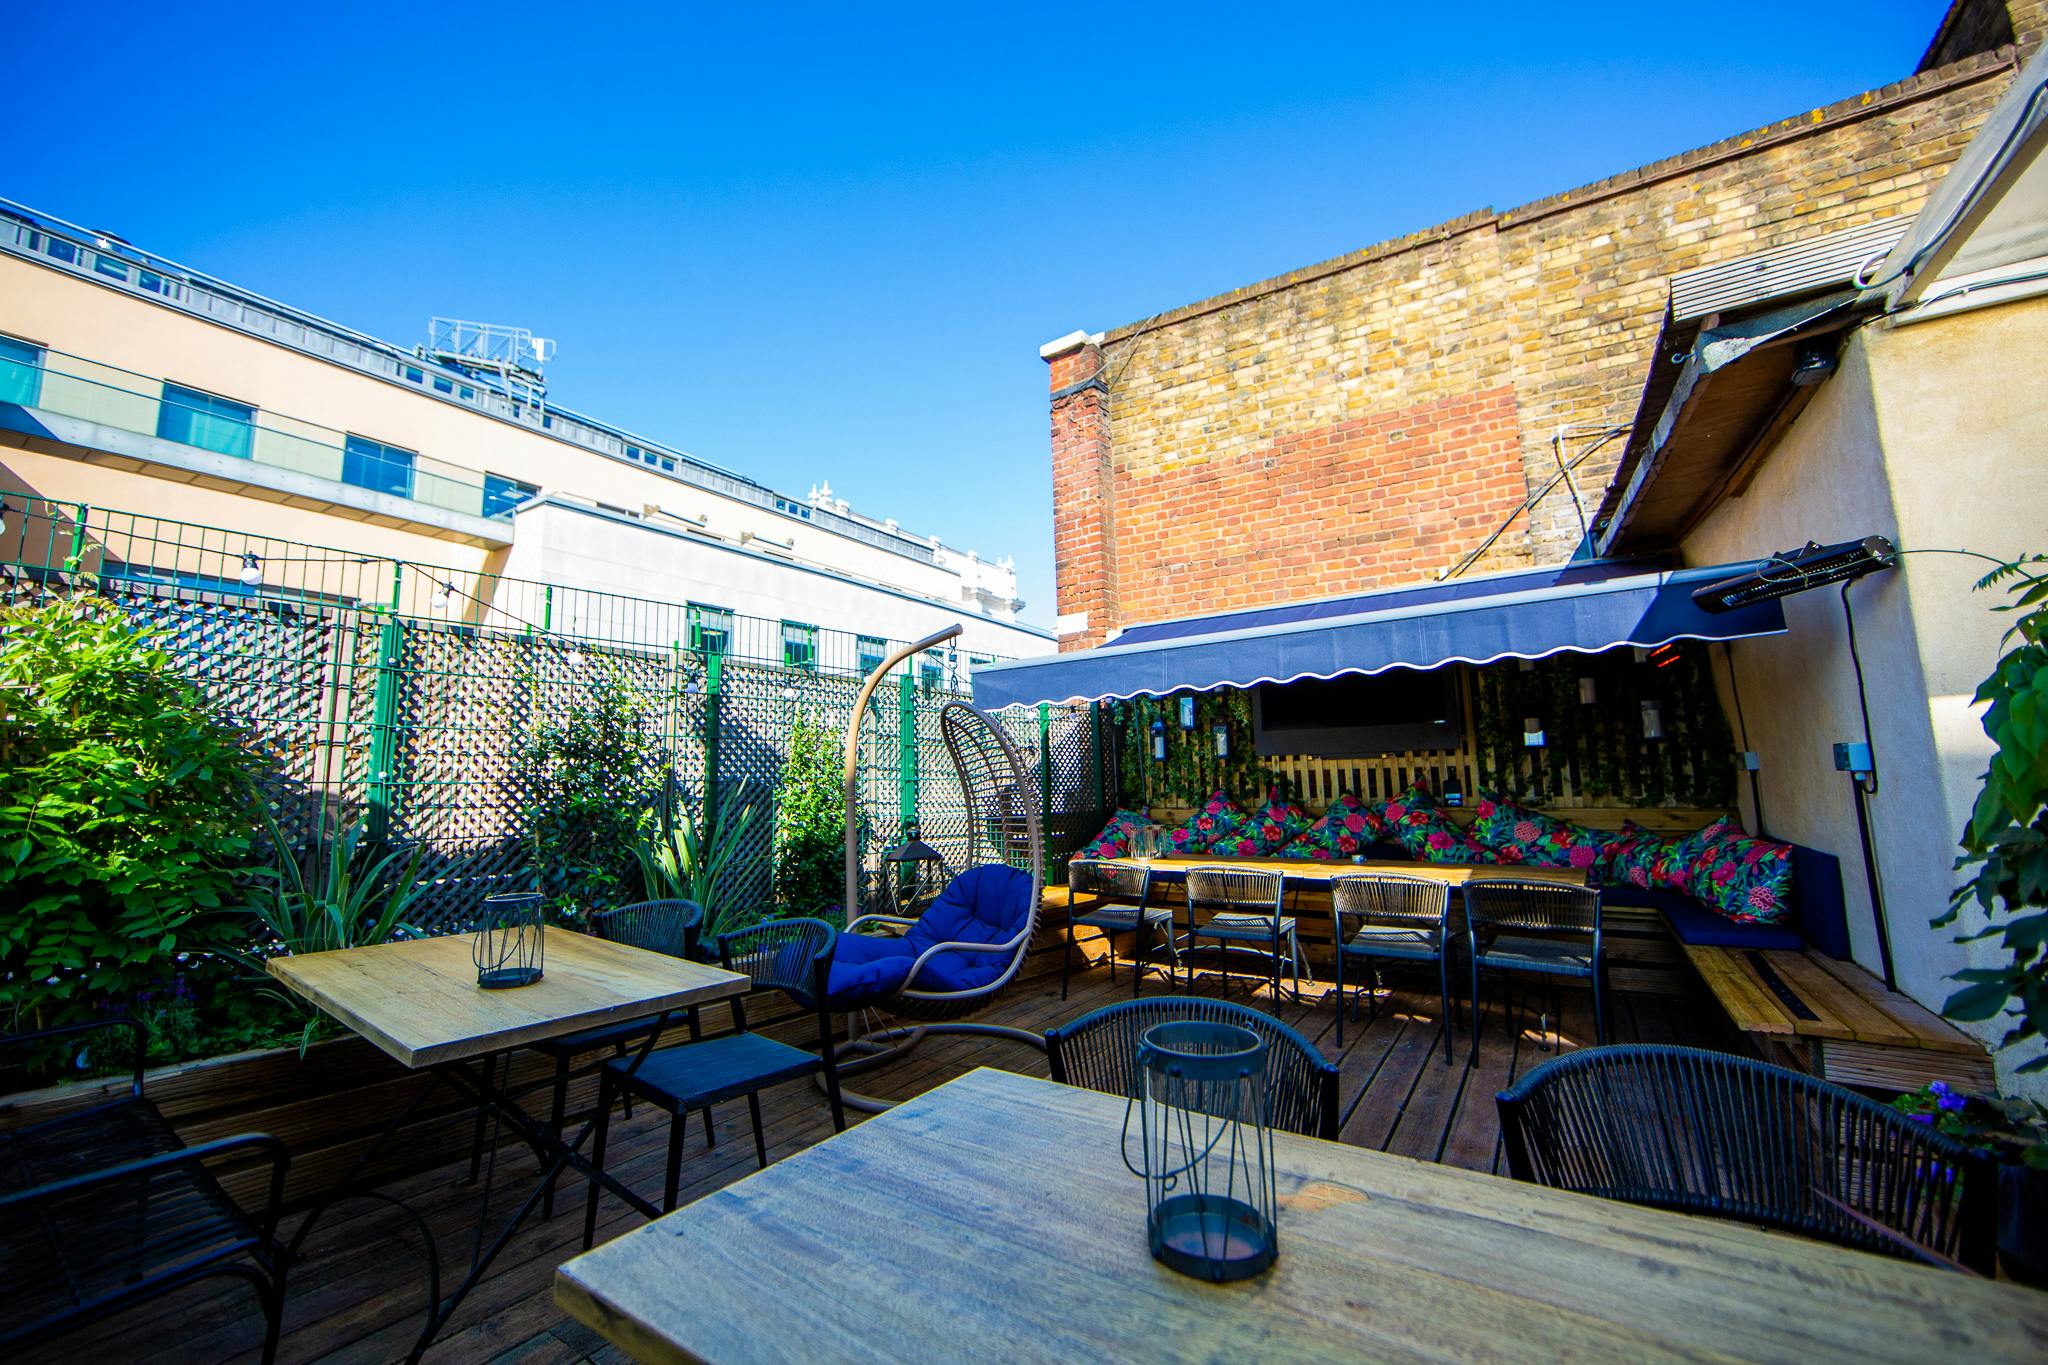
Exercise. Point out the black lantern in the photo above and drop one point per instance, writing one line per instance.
(1206, 1149)
(510, 943)
(913, 872)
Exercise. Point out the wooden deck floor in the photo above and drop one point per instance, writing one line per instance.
(359, 1293)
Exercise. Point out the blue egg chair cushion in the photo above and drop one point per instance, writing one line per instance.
(987, 904)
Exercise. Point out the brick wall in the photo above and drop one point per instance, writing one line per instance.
(1374, 418)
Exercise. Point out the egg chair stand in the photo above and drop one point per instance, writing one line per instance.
(922, 975)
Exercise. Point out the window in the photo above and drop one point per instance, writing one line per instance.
(443, 385)
(374, 465)
(794, 509)
(192, 418)
(502, 495)
(869, 653)
(929, 676)
(109, 266)
(710, 629)
(799, 645)
(21, 372)
(412, 375)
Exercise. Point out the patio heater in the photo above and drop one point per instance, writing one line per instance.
(913, 872)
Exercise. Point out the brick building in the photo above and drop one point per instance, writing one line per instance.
(1378, 417)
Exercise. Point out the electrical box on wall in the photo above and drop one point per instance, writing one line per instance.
(1852, 757)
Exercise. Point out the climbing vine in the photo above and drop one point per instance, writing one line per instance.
(1597, 749)
(1192, 768)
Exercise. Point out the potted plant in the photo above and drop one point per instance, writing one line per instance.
(2012, 1132)
(2005, 848)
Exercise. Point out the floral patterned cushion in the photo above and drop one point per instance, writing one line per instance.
(1415, 796)
(1117, 836)
(1267, 830)
(1349, 826)
(1211, 823)
(1429, 836)
(1748, 880)
(1530, 838)
(1635, 857)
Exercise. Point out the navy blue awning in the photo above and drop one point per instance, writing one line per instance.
(1585, 606)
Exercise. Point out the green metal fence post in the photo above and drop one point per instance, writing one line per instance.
(383, 785)
(714, 692)
(1045, 773)
(906, 750)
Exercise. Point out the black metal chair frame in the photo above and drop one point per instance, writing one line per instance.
(1553, 911)
(1243, 892)
(246, 1249)
(660, 926)
(1099, 1051)
(1131, 913)
(791, 956)
(1395, 901)
(1732, 1137)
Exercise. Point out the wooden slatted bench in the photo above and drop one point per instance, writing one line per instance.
(1837, 1021)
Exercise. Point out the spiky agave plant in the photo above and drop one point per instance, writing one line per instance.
(684, 858)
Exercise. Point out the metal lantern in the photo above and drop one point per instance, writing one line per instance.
(510, 944)
(1206, 1149)
(913, 872)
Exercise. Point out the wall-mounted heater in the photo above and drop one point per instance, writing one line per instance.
(1814, 566)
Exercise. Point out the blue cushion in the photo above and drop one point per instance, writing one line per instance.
(988, 904)
(1705, 928)
(1818, 909)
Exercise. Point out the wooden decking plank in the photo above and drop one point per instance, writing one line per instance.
(1928, 1029)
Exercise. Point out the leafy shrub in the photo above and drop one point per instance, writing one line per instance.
(685, 860)
(588, 779)
(2007, 838)
(810, 824)
(125, 816)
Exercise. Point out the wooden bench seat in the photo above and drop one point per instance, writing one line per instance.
(1838, 1021)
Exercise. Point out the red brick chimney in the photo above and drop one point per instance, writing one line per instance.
(1083, 529)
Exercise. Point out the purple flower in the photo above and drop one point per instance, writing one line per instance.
(1921, 1118)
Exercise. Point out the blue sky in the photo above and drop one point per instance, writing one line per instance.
(826, 242)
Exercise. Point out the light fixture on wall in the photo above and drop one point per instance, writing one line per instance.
(252, 570)
(1222, 733)
(1653, 718)
(1816, 362)
(1187, 713)
(1532, 732)
(1454, 790)
(1589, 692)
(1159, 741)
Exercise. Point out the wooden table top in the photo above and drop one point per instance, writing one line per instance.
(419, 1001)
(992, 1218)
(1311, 870)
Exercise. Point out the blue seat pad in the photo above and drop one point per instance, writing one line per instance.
(718, 1069)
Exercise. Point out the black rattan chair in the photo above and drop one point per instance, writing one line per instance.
(665, 926)
(792, 956)
(1244, 907)
(1400, 918)
(1099, 1051)
(106, 1207)
(1705, 1132)
(1125, 908)
(1551, 929)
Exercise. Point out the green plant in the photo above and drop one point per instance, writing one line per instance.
(354, 899)
(2012, 1131)
(684, 859)
(125, 816)
(810, 823)
(2007, 837)
(589, 779)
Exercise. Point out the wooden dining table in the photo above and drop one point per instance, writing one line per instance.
(419, 1001)
(993, 1218)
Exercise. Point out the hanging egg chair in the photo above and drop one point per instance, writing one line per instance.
(969, 943)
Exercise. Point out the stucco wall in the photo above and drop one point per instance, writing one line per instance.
(1925, 436)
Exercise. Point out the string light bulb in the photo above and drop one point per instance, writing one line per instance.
(575, 657)
(3, 516)
(252, 570)
(443, 599)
